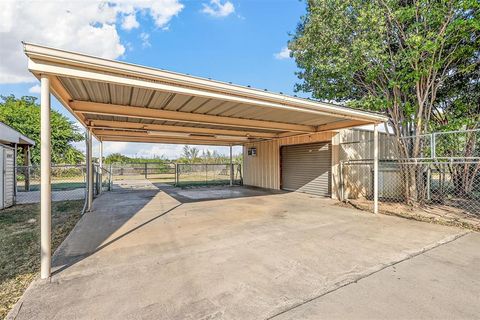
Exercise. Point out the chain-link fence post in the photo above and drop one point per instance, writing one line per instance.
(176, 174)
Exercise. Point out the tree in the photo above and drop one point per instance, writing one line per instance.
(190, 154)
(23, 115)
(458, 106)
(393, 56)
(117, 158)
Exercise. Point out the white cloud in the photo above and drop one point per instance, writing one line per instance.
(89, 26)
(130, 22)
(35, 89)
(217, 9)
(283, 54)
(145, 37)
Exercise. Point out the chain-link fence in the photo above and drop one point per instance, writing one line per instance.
(156, 171)
(460, 144)
(102, 179)
(443, 187)
(68, 182)
(208, 174)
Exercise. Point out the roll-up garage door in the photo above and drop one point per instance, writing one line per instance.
(307, 168)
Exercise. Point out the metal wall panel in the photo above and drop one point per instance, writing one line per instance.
(263, 170)
(307, 168)
(2, 178)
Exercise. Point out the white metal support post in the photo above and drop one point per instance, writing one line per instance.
(89, 171)
(231, 167)
(45, 187)
(375, 168)
(15, 173)
(100, 167)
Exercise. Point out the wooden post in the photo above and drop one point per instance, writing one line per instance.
(26, 163)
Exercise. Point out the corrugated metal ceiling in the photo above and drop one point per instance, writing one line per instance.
(93, 91)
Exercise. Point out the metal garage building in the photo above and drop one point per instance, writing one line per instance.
(10, 141)
(288, 141)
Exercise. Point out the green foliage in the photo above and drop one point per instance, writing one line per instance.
(120, 158)
(23, 115)
(117, 158)
(190, 155)
(410, 59)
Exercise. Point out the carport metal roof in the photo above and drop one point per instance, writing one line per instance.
(126, 102)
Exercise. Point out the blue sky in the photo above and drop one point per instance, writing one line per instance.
(237, 41)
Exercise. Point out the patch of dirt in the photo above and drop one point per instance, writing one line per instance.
(20, 245)
(434, 213)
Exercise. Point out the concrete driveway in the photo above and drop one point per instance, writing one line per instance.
(183, 254)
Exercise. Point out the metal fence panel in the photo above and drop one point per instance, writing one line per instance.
(68, 183)
(158, 171)
(207, 174)
(440, 186)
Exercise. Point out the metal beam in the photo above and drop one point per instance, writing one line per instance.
(165, 140)
(145, 134)
(341, 125)
(64, 98)
(167, 115)
(168, 128)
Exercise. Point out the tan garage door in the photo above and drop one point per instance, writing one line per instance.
(307, 168)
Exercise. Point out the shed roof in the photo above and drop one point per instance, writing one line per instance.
(8, 135)
(126, 102)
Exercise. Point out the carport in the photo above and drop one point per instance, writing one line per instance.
(117, 101)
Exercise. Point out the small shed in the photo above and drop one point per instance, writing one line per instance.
(10, 141)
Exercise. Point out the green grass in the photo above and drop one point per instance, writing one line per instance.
(20, 245)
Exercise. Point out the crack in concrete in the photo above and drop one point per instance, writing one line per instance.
(437, 244)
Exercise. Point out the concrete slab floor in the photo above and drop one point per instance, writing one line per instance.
(145, 255)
